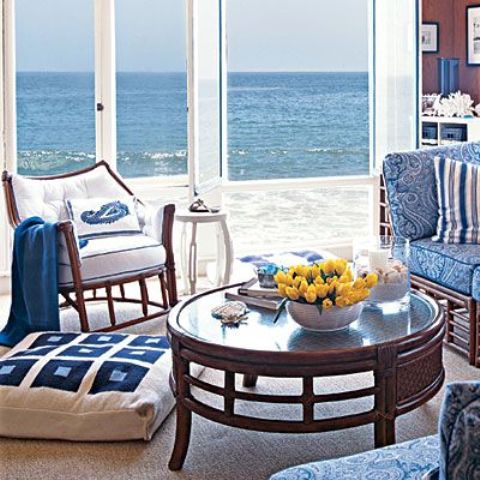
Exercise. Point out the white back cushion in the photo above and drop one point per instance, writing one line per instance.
(46, 198)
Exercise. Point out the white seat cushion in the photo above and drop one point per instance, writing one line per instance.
(114, 257)
(85, 387)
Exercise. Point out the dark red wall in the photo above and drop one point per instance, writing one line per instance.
(451, 15)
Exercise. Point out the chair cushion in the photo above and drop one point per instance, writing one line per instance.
(410, 183)
(114, 257)
(458, 187)
(95, 217)
(46, 198)
(85, 387)
(405, 461)
(449, 265)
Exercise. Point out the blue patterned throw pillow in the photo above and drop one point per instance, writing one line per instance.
(95, 217)
(458, 189)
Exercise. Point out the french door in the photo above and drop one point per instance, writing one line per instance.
(207, 73)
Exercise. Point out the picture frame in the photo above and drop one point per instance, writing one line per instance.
(473, 35)
(430, 37)
(430, 103)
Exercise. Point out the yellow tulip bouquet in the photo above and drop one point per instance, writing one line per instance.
(326, 284)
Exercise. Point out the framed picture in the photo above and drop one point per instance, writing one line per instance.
(430, 37)
(473, 35)
(430, 103)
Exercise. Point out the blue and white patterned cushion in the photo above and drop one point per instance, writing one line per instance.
(98, 386)
(411, 190)
(449, 265)
(97, 217)
(458, 188)
(405, 461)
(286, 259)
(460, 432)
(476, 285)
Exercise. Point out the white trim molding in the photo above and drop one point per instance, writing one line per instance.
(8, 144)
(105, 85)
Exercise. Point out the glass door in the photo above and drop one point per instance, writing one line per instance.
(206, 93)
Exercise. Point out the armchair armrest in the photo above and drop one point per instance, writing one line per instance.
(159, 223)
(68, 242)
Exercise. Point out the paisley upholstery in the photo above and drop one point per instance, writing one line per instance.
(476, 285)
(452, 455)
(406, 461)
(410, 183)
(459, 431)
(449, 265)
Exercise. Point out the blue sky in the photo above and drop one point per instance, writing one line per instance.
(264, 35)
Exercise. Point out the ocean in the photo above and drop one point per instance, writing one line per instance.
(280, 125)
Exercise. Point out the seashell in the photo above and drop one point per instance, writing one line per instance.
(393, 277)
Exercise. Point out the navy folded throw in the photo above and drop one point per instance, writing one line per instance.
(34, 305)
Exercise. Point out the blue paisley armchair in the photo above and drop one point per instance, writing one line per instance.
(453, 454)
(99, 269)
(450, 273)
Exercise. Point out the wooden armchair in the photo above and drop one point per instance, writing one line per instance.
(101, 270)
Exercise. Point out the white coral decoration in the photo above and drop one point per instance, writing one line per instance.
(457, 104)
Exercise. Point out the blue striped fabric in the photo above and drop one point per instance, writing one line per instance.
(458, 189)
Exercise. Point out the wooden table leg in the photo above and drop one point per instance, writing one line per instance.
(386, 396)
(250, 381)
(182, 437)
(184, 415)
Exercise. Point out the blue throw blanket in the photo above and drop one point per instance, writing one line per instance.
(34, 282)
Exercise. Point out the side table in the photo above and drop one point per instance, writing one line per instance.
(188, 256)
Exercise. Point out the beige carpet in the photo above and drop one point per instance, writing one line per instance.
(216, 452)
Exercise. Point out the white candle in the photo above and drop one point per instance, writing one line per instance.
(378, 259)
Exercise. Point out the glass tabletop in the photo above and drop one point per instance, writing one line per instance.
(374, 327)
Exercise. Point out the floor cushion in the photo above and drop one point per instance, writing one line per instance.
(450, 265)
(85, 386)
(114, 257)
(286, 258)
(405, 461)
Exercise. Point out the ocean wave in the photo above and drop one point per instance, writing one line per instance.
(337, 151)
(161, 155)
(298, 151)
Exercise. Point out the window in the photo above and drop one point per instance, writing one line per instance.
(151, 88)
(298, 89)
(55, 86)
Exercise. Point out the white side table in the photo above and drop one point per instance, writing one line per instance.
(188, 256)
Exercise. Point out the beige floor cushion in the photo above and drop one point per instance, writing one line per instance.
(85, 387)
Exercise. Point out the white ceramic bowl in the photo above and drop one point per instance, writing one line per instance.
(309, 317)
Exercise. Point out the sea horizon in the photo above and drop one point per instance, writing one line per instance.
(280, 124)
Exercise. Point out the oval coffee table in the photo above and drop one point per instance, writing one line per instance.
(403, 351)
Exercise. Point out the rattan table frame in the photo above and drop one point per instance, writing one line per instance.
(407, 373)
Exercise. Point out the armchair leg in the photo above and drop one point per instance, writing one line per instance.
(82, 311)
(172, 286)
